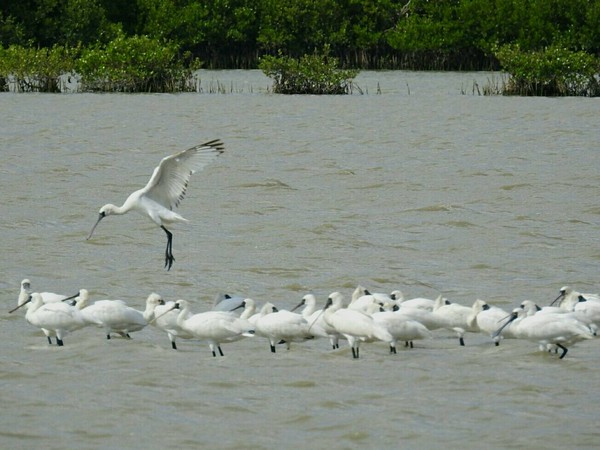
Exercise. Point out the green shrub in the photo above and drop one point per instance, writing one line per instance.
(555, 71)
(36, 69)
(136, 64)
(311, 74)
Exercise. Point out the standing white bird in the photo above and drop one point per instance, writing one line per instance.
(362, 299)
(215, 327)
(456, 317)
(423, 316)
(47, 297)
(487, 318)
(165, 190)
(316, 324)
(253, 316)
(58, 317)
(569, 297)
(164, 317)
(115, 315)
(551, 329)
(586, 306)
(401, 328)
(283, 325)
(418, 302)
(249, 307)
(354, 325)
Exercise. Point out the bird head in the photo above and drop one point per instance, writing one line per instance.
(106, 210)
(511, 317)
(26, 284)
(564, 291)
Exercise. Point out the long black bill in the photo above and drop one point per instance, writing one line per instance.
(22, 304)
(71, 298)
(242, 305)
(562, 294)
(175, 306)
(298, 306)
(100, 217)
(498, 332)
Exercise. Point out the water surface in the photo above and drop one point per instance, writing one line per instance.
(421, 189)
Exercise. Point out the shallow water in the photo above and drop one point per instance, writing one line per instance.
(420, 188)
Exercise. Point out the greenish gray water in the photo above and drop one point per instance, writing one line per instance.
(420, 189)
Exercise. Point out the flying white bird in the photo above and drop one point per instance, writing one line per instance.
(165, 190)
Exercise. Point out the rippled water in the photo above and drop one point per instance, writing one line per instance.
(420, 188)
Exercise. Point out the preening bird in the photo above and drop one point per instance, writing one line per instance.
(165, 190)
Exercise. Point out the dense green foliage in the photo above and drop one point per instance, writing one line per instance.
(36, 69)
(311, 74)
(442, 34)
(135, 64)
(369, 34)
(552, 72)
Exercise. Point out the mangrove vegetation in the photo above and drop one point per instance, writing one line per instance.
(548, 47)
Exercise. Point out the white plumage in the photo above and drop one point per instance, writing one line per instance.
(282, 325)
(59, 318)
(215, 327)
(114, 316)
(547, 329)
(165, 190)
(354, 325)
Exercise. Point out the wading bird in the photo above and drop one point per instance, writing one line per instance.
(215, 327)
(165, 190)
(24, 299)
(354, 325)
(165, 318)
(55, 319)
(114, 316)
(283, 326)
(547, 329)
(48, 297)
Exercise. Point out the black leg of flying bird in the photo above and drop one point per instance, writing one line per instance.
(169, 251)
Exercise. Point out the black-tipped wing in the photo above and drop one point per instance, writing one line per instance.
(169, 181)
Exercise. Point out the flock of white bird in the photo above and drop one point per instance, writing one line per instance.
(367, 317)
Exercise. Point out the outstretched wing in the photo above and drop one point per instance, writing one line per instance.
(169, 181)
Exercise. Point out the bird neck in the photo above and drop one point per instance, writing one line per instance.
(34, 305)
(183, 316)
(117, 210)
